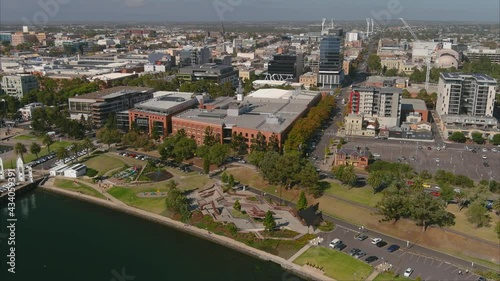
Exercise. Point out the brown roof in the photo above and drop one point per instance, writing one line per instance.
(105, 92)
(353, 152)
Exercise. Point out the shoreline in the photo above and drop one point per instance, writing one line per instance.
(193, 230)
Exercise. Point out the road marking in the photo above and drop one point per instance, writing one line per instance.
(418, 259)
(449, 266)
(456, 269)
(428, 278)
(440, 264)
(411, 256)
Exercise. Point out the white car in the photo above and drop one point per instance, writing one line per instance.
(408, 272)
(494, 150)
(335, 242)
(484, 157)
(376, 240)
(485, 149)
(437, 160)
(376, 155)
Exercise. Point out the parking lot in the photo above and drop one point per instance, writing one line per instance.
(428, 268)
(454, 159)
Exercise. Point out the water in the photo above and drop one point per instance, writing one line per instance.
(59, 238)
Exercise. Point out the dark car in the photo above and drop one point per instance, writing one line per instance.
(361, 237)
(381, 244)
(371, 259)
(354, 251)
(481, 279)
(340, 246)
(392, 248)
(486, 164)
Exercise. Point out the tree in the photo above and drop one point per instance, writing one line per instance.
(62, 153)
(447, 193)
(374, 63)
(477, 214)
(496, 139)
(426, 211)
(376, 180)
(237, 205)
(230, 181)
(47, 141)
(349, 176)
(308, 176)
(109, 136)
(177, 202)
(393, 205)
(87, 145)
(224, 177)
(20, 150)
(274, 143)
(391, 72)
(302, 203)
(209, 137)
(218, 153)
(238, 144)
(457, 137)
(35, 149)
(258, 143)
(269, 222)
(406, 94)
(477, 137)
(75, 148)
(206, 164)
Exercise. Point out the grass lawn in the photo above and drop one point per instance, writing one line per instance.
(129, 197)
(361, 195)
(27, 137)
(78, 187)
(239, 215)
(462, 225)
(254, 179)
(336, 265)
(104, 163)
(389, 276)
(30, 157)
(282, 233)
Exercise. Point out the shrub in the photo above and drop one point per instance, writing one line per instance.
(91, 172)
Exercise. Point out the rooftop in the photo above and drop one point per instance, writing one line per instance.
(263, 114)
(461, 76)
(163, 102)
(412, 104)
(111, 76)
(112, 92)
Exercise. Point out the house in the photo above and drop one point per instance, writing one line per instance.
(354, 157)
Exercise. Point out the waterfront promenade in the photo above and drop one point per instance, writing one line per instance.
(222, 240)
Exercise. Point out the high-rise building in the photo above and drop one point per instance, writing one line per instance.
(382, 103)
(18, 85)
(330, 73)
(466, 94)
(285, 67)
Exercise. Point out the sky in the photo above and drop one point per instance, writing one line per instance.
(33, 11)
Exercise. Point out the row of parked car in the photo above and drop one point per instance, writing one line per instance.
(71, 158)
(132, 155)
(41, 160)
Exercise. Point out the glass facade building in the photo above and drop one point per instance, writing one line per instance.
(282, 67)
(331, 60)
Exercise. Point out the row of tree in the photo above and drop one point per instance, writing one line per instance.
(477, 137)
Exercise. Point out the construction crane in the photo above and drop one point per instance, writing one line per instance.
(429, 56)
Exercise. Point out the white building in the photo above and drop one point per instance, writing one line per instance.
(27, 110)
(18, 85)
(154, 68)
(381, 103)
(75, 171)
(421, 50)
(58, 170)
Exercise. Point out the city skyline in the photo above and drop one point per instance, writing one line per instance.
(245, 10)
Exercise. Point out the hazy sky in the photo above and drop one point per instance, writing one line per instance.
(247, 10)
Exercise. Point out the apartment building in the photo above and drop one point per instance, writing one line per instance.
(382, 103)
(18, 85)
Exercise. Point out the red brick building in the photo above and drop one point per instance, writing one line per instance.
(352, 157)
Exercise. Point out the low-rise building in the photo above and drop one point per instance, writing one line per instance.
(210, 71)
(246, 73)
(75, 171)
(97, 106)
(27, 110)
(412, 107)
(352, 157)
(158, 111)
(309, 80)
(113, 77)
(268, 111)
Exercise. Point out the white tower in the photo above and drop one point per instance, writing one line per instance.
(372, 27)
(367, 27)
(239, 93)
(20, 170)
(25, 29)
(2, 175)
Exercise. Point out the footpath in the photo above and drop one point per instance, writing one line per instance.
(222, 240)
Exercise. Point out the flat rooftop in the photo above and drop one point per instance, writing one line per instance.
(112, 92)
(164, 102)
(413, 104)
(112, 76)
(461, 76)
(267, 115)
(283, 94)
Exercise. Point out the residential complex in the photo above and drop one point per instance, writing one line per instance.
(97, 106)
(19, 85)
(382, 103)
(465, 103)
(269, 111)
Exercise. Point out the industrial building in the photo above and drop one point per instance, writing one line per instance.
(158, 111)
(99, 105)
(382, 103)
(18, 85)
(269, 111)
(219, 74)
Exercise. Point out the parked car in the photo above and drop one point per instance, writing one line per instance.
(360, 254)
(485, 149)
(486, 164)
(376, 240)
(484, 157)
(335, 242)
(408, 272)
(354, 251)
(371, 259)
(361, 237)
(381, 244)
(340, 246)
(392, 248)
(494, 149)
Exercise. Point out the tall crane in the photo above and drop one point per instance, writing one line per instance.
(429, 56)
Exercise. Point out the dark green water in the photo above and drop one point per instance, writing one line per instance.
(59, 238)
